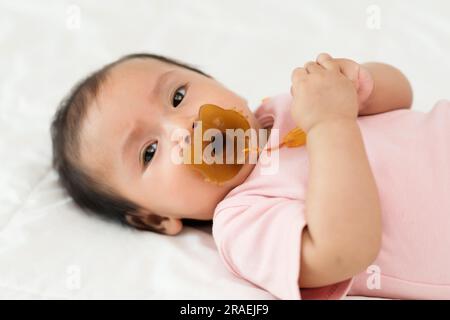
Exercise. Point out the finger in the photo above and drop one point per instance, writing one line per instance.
(298, 74)
(323, 57)
(327, 62)
(331, 65)
(365, 84)
(349, 68)
(313, 67)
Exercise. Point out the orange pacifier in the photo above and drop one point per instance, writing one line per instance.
(220, 156)
(223, 154)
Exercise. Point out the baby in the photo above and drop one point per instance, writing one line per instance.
(362, 209)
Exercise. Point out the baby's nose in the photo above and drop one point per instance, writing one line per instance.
(186, 139)
(180, 128)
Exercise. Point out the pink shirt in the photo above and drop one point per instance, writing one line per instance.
(257, 226)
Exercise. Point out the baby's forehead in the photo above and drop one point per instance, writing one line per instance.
(136, 66)
(133, 76)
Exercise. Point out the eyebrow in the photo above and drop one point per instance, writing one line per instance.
(134, 132)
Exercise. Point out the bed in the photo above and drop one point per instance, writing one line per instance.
(48, 248)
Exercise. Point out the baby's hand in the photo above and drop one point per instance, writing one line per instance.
(359, 75)
(322, 93)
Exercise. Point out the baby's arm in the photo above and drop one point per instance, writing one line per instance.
(391, 90)
(342, 207)
(343, 212)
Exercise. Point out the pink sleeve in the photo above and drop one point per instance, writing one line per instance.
(260, 242)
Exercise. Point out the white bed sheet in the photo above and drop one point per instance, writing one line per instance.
(48, 249)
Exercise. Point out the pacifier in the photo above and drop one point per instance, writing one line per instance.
(209, 148)
(217, 154)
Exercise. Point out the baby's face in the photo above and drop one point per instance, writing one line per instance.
(127, 140)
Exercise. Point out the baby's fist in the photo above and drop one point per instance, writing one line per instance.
(359, 75)
(322, 94)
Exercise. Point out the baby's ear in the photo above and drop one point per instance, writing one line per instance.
(153, 222)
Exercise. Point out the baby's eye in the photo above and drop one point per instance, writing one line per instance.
(178, 96)
(149, 153)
